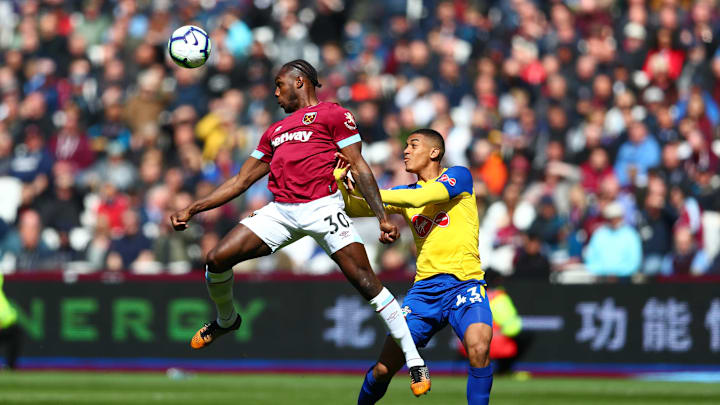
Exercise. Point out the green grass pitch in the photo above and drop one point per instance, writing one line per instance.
(157, 388)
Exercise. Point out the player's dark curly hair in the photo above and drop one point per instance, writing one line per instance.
(435, 138)
(306, 69)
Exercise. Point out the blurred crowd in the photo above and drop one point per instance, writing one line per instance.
(590, 126)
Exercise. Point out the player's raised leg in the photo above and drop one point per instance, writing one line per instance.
(480, 377)
(238, 245)
(378, 377)
(354, 263)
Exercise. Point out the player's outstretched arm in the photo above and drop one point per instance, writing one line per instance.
(431, 193)
(250, 172)
(368, 187)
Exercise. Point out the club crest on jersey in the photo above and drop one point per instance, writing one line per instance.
(447, 179)
(423, 225)
(350, 121)
(309, 118)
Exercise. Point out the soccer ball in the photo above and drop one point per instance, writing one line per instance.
(189, 46)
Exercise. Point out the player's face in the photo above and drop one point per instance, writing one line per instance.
(286, 92)
(417, 153)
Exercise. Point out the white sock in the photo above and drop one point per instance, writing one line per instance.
(389, 310)
(219, 287)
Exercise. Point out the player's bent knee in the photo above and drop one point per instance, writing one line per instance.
(382, 372)
(478, 353)
(213, 262)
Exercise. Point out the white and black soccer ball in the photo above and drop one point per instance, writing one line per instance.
(189, 46)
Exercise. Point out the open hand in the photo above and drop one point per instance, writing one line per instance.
(342, 171)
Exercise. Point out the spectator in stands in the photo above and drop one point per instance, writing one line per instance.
(171, 249)
(499, 230)
(530, 263)
(620, 239)
(689, 212)
(26, 247)
(189, 91)
(595, 169)
(111, 129)
(113, 169)
(34, 114)
(549, 226)
(32, 163)
(633, 48)
(491, 169)
(655, 226)
(132, 248)
(144, 107)
(707, 194)
(687, 258)
(664, 59)
(70, 144)
(111, 207)
(640, 153)
(672, 170)
(61, 207)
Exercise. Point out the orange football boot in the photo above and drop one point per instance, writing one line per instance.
(211, 331)
(419, 380)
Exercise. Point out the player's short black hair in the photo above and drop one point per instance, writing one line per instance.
(434, 137)
(305, 69)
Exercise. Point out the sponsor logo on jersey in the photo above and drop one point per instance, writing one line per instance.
(309, 118)
(447, 179)
(350, 121)
(423, 225)
(301, 136)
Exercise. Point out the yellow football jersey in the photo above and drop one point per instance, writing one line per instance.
(442, 214)
(445, 233)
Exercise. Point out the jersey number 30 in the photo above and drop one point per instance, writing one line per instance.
(341, 218)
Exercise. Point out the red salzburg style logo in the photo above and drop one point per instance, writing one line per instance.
(309, 118)
(423, 225)
(445, 178)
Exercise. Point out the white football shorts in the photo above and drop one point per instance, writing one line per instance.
(324, 219)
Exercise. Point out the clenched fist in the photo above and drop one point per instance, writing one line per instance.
(180, 219)
(388, 232)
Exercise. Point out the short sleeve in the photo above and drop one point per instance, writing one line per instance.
(264, 150)
(457, 180)
(343, 128)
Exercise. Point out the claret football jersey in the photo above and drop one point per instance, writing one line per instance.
(301, 151)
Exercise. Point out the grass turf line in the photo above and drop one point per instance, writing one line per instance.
(156, 388)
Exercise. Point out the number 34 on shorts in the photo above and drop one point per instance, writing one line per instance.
(471, 295)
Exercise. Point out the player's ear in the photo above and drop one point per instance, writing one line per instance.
(434, 153)
(299, 82)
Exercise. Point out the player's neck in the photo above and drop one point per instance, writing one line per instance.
(309, 100)
(429, 172)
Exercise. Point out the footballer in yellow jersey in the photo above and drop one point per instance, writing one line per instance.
(449, 288)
